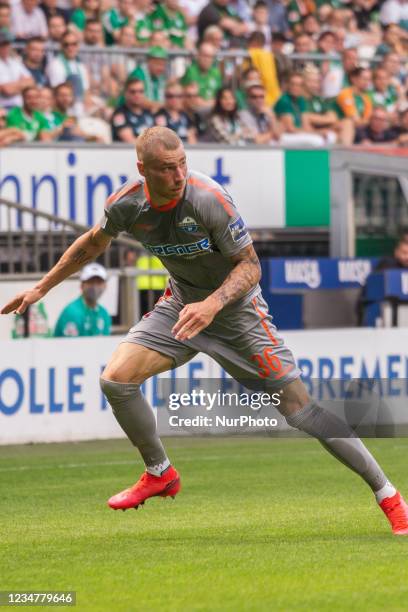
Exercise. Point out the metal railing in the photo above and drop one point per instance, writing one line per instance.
(32, 240)
(28, 251)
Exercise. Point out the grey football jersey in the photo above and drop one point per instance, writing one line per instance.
(194, 237)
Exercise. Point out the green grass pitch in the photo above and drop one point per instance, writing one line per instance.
(261, 524)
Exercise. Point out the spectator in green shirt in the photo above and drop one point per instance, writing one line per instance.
(322, 113)
(205, 73)
(291, 110)
(90, 9)
(153, 76)
(291, 107)
(166, 17)
(27, 119)
(114, 19)
(84, 316)
(383, 93)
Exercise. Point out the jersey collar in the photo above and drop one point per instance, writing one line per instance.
(168, 206)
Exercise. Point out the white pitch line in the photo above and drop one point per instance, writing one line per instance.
(63, 466)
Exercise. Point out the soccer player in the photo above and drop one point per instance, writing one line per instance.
(213, 304)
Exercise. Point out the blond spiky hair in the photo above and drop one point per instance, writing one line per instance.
(153, 138)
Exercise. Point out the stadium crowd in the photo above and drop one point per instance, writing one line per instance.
(294, 72)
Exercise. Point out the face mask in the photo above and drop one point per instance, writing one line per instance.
(93, 293)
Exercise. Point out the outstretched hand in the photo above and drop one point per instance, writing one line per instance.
(22, 301)
(194, 318)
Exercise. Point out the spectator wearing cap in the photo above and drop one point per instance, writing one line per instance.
(204, 71)
(67, 66)
(85, 316)
(168, 18)
(115, 18)
(14, 76)
(354, 101)
(27, 118)
(258, 119)
(34, 60)
(153, 76)
(28, 20)
(173, 116)
(222, 14)
(378, 130)
(131, 118)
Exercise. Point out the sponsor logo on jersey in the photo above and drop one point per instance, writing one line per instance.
(303, 271)
(354, 271)
(188, 224)
(237, 229)
(196, 248)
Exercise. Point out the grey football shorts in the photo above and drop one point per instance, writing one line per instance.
(242, 339)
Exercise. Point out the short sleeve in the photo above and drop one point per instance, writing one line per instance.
(113, 221)
(119, 213)
(229, 234)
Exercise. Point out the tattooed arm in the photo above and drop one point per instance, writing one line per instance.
(85, 248)
(245, 274)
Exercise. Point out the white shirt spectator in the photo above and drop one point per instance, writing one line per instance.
(11, 70)
(394, 11)
(28, 24)
(192, 8)
(60, 70)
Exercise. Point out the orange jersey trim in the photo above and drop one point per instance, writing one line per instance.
(201, 185)
(127, 189)
(168, 206)
(264, 324)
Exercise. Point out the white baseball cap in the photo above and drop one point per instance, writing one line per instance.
(91, 270)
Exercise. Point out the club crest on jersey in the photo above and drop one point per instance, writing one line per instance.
(188, 224)
(237, 229)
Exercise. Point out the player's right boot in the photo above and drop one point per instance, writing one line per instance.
(395, 509)
(168, 484)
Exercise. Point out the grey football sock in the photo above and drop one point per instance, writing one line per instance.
(340, 440)
(135, 416)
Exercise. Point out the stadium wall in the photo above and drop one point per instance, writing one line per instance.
(273, 188)
(49, 389)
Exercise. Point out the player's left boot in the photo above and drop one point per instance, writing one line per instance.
(395, 509)
(168, 484)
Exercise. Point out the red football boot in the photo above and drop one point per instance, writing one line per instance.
(168, 484)
(395, 509)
